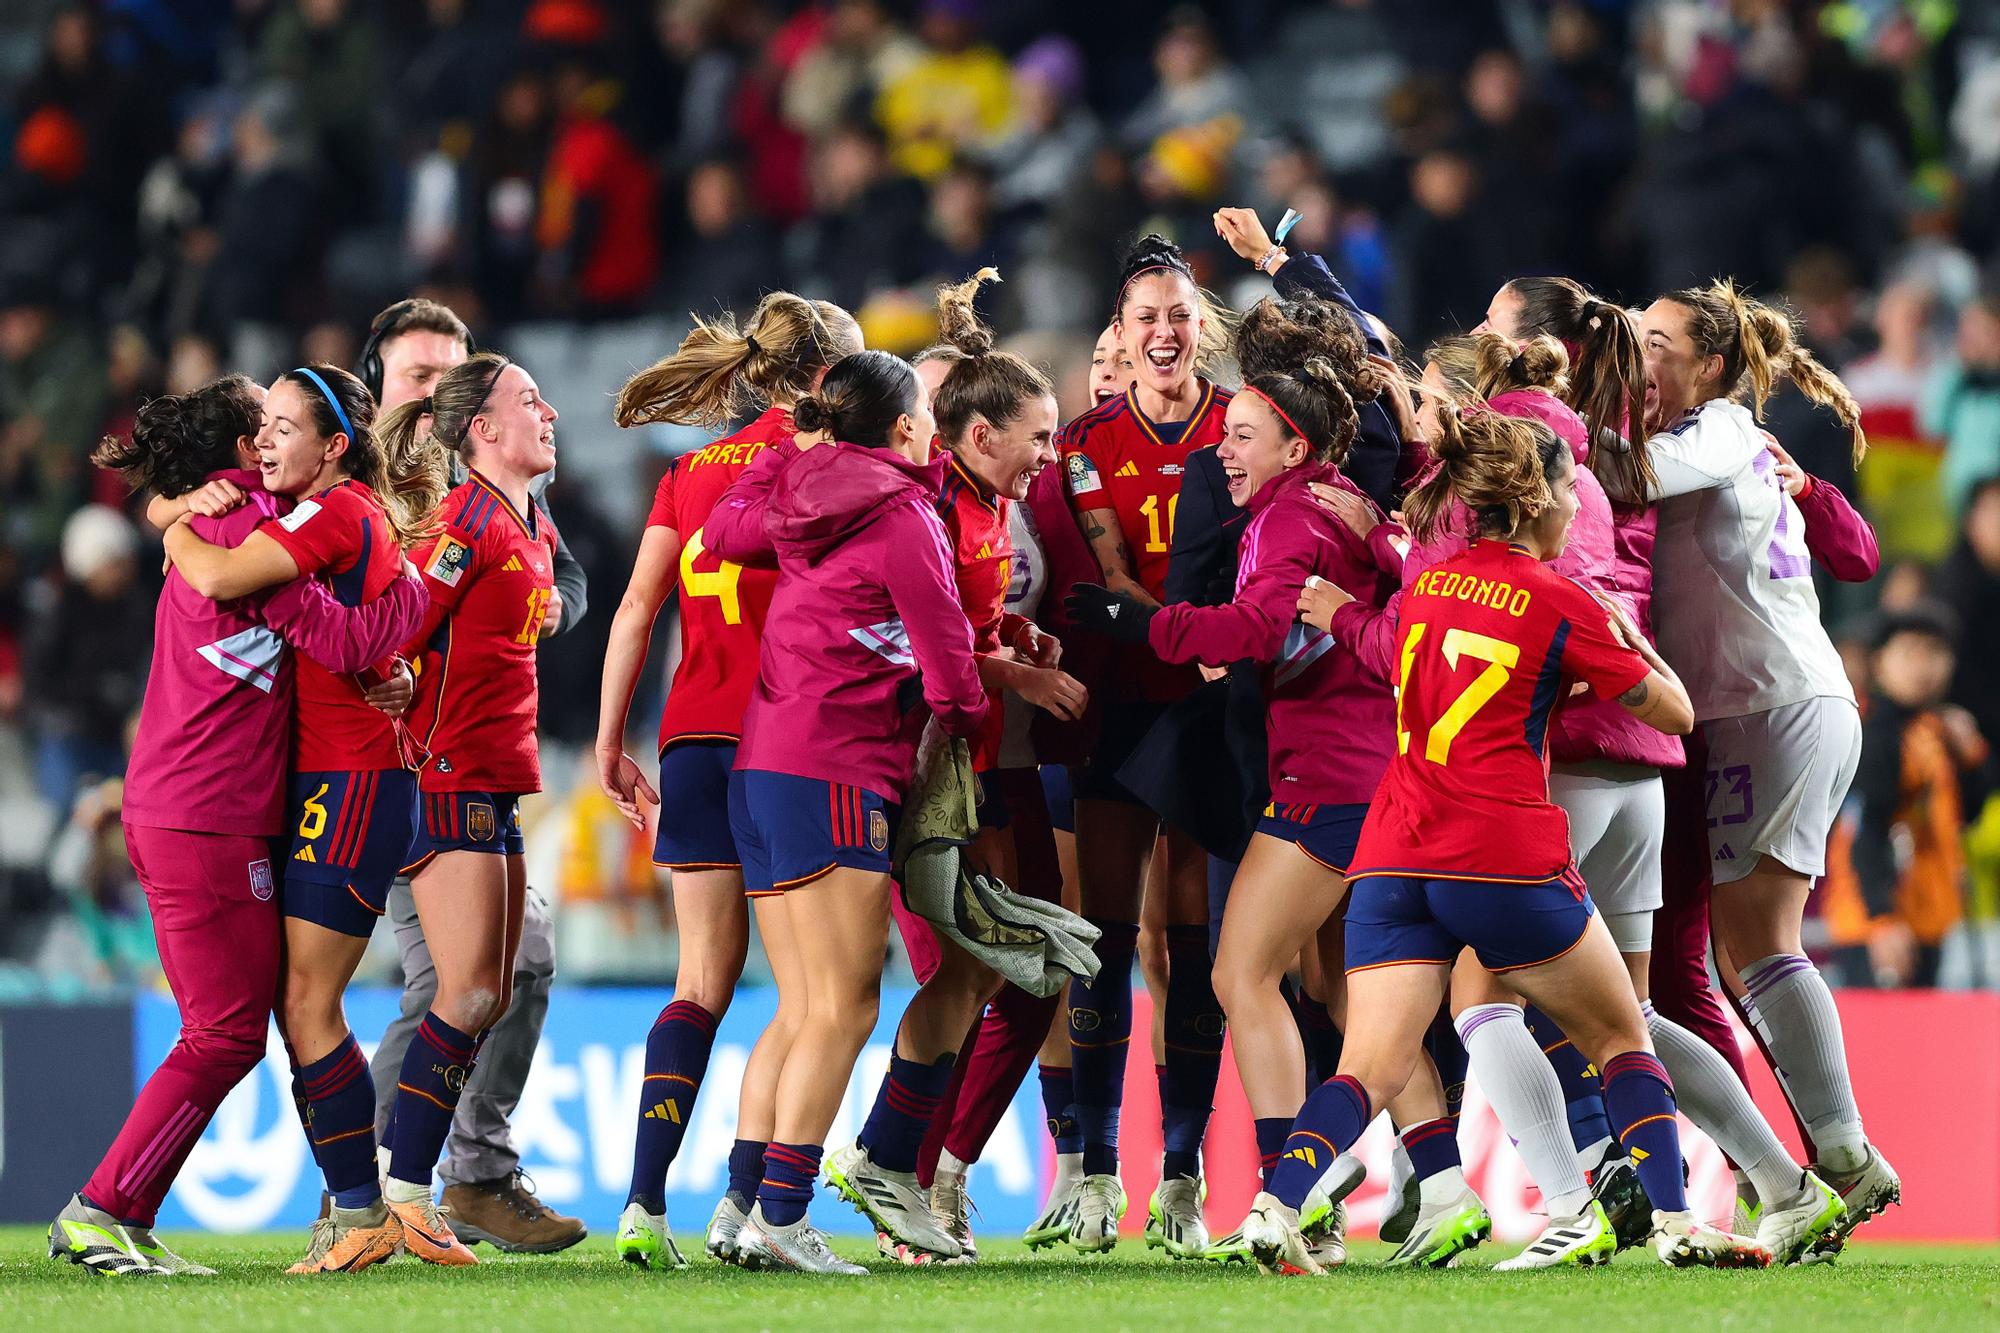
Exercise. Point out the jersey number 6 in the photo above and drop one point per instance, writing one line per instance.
(1500, 657)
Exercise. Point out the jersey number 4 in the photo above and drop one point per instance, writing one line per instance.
(720, 584)
(1500, 657)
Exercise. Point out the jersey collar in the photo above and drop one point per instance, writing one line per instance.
(527, 524)
(1201, 406)
(977, 487)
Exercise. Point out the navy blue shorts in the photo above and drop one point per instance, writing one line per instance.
(1122, 726)
(1399, 919)
(465, 821)
(350, 833)
(791, 830)
(694, 807)
(1055, 791)
(1326, 833)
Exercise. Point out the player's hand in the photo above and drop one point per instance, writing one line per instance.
(1244, 232)
(1345, 505)
(1053, 691)
(552, 615)
(1036, 648)
(395, 692)
(1319, 599)
(1117, 616)
(214, 499)
(1962, 730)
(1892, 952)
(1212, 674)
(624, 784)
(1622, 624)
(1790, 475)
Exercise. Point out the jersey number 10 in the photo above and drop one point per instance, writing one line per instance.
(1151, 509)
(1500, 657)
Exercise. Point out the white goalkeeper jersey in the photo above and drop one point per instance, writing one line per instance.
(1733, 599)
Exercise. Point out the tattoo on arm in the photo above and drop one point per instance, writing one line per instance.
(1094, 531)
(1636, 696)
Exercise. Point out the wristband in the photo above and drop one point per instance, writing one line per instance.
(1264, 264)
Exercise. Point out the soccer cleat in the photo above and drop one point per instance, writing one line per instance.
(1100, 1206)
(1583, 1241)
(798, 1248)
(154, 1250)
(1272, 1232)
(893, 1201)
(1866, 1193)
(425, 1232)
(1059, 1213)
(723, 1228)
(951, 1206)
(1327, 1242)
(100, 1242)
(1444, 1232)
(1173, 1218)
(316, 1247)
(1746, 1215)
(1402, 1218)
(1790, 1231)
(1340, 1179)
(351, 1243)
(644, 1241)
(1682, 1242)
(1615, 1184)
(1231, 1249)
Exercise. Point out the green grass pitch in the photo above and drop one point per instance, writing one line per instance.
(586, 1290)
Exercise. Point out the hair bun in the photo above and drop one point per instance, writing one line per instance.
(1153, 251)
(811, 415)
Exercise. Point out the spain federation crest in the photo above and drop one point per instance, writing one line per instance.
(878, 831)
(479, 821)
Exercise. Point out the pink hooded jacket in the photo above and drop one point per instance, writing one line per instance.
(866, 608)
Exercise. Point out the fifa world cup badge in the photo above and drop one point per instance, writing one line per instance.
(449, 561)
(878, 831)
(262, 886)
(479, 821)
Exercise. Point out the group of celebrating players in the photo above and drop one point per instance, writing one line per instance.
(1324, 699)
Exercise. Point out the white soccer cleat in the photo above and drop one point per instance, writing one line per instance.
(1327, 1242)
(894, 1202)
(1174, 1221)
(1100, 1207)
(644, 1241)
(98, 1241)
(723, 1228)
(1683, 1242)
(1339, 1180)
(951, 1207)
(1792, 1228)
(1059, 1211)
(1443, 1232)
(798, 1248)
(1272, 1232)
(1867, 1193)
(1583, 1241)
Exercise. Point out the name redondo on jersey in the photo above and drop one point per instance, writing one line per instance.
(1495, 593)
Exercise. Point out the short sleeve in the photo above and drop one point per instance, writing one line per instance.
(1592, 651)
(662, 513)
(323, 533)
(1081, 471)
(449, 566)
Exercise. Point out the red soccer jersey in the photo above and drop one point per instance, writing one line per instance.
(490, 576)
(1117, 458)
(723, 604)
(1485, 644)
(982, 560)
(343, 535)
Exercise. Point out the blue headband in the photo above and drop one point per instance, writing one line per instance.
(313, 375)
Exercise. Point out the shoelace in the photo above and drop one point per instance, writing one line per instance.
(518, 1193)
(813, 1241)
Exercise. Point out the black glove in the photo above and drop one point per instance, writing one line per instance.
(1115, 615)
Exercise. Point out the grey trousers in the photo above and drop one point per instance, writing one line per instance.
(480, 1146)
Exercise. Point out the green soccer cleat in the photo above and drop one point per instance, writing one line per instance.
(1100, 1207)
(1231, 1249)
(1867, 1193)
(1059, 1213)
(1615, 1184)
(1792, 1229)
(644, 1241)
(154, 1250)
(1173, 1219)
(1583, 1241)
(98, 1241)
(1444, 1232)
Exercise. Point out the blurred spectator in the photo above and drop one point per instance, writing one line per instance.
(962, 239)
(1513, 138)
(957, 96)
(504, 174)
(270, 232)
(1054, 132)
(86, 655)
(1908, 882)
(1445, 279)
(1962, 401)
(733, 252)
(330, 54)
(1899, 481)
(864, 230)
(1196, 85)
(598, 230)
(51, 401)
(89, 867)
(861, 52)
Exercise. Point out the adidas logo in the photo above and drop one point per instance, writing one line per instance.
(667, 1110)
(1304, 1153)
(305, 854)
(514, 565)
(985, 551)
(1638, 1154)
(1724, 853)
(1131, 469)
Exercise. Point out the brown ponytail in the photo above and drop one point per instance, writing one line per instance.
(180, 438)
(718, 373)
(1501, 468)
(1758, 347)
(1607, 377)
(980, 383)
(419, 438)
(1486, 365)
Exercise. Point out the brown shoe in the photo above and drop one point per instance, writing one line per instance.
(506, 1215)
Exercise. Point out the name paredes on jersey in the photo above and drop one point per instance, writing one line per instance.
(731, 452)
(1495, 593)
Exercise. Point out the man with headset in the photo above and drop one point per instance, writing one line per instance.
(409, 345)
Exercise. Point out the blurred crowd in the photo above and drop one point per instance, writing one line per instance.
(188, 186)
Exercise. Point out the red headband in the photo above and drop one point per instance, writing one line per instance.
(1282, 414)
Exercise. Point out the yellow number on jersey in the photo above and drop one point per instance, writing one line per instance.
(1500, 657)
(720, 585)
(1151, 509)
(538, 607)
(312, 822)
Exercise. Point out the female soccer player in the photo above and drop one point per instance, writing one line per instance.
(351, 800)
(203, 799)
(716, 374)
(1328, 719)
(865, 615)
(1777, 715)
(491, 577)
(1123, 461)
(996, 419)
(1485, 644)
